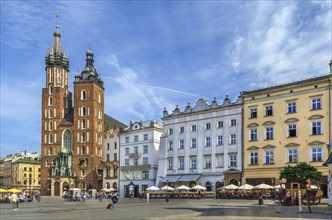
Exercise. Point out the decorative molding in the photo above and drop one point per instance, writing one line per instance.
(314, 117)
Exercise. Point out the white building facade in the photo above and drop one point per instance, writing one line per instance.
(111, 159)
(202, 145)
(139, 150)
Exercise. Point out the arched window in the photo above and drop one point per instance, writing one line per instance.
(83, 124)
(115, 185)
(50, 75)
(59, 77)
(99, 97)
(50, 101)
(83, 94)
(50, 113)
(50, 126)
(86, 162)
(108, 185)
(50, 90)
(67, 140)
(83, 111)
(83, 150)
(83, 137)
(50, 138)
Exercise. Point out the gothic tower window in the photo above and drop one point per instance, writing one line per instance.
(98, 97)
(50, 76)
(50, 126)
(67, 140)
(83, 150)
(83, 111)
(86, 162)
(59, 77)
(50, 113)
(83, 137)
(50, 138)
(83, 124)
(83, 94)
(50, 90)
(50, 101)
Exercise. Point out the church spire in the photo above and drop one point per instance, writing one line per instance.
(57, 35)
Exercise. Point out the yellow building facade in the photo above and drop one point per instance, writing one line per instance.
(26, 174)
(284, 125)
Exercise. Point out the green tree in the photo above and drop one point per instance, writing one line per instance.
(300, 173)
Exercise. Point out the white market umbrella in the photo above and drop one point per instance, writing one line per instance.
(263, 186)
(277, 187)
(108, 189)
(246, 187)
(198, 187)
(231, 186)
(152, 188)
(183, 187)
(167, 188)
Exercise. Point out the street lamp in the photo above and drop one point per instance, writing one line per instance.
(167, 199)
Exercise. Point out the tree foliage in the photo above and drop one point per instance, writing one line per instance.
(300, 173)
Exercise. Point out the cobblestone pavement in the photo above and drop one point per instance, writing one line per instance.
(55, 208)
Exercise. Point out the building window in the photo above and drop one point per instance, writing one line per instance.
(181, 163)
(170, 131)
(127, 140)
(292, 156)
(269, 133)
(253, 135)
(115, 156)
(145, 137)
(136, 138)
(207, 126)
(136, 149)
(220, 161)
(145, 149)
(135, 161)
(193, 163)
(99, 97)
(291, 130)
(170, 145)
(107, 157)
(233, 138)
(220, 140)
(50, 101)
(253, 113)
(181, 129)
(316, 128)
(193, 128)
(233, 122)
(207, 162)
(193, 142)
(291, 107)
(254, 158)
(126, 151)
(108, 146)
(268, 110)
(115, 145)
(170, 164)
(207, 141)
(145, 160)
(83, 94)
(316, 154)
(145, 174)
(127, 162)
(316, 104)
(269, 157)
(232, 160)
(220, 124)
(181, 146)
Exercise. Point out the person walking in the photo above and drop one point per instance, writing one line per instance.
(14, 201)
(115, 199)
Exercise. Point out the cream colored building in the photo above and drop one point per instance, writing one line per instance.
(285, 125)
(26, 174)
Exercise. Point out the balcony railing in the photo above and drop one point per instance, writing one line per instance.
(138, 167)
(135, 155)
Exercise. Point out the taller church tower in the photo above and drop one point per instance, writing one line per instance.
(72, 135)
(56, 104)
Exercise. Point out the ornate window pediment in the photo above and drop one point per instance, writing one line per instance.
(292, 144)
(252, 125)
(316, 143)
(268, 147)
(267, 123)
(314, 117)
(253, 148)
(290, 120)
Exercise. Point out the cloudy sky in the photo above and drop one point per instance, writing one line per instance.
(156, 54)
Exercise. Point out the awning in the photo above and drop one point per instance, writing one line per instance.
(189, 177)
(170, 178)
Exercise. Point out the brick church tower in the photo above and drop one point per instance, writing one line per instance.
(71, 136)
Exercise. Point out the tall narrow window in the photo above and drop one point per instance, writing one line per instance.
(220, 140)
(269, 133)
(269, 157)
(207, 160)
(207, 141)
(254, 158)
(316, 154)
(316, 128)
(292, 156)
(292, 130)
(50, 100)
(83, 94)
(181, 163)
(181, 144)
(253, 135)
(170, 164)
(291, 107)
(193, 162)
(193, 143)
(268, 110)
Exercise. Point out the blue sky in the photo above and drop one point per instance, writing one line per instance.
(156, 54)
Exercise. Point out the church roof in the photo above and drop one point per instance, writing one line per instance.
(110, 122)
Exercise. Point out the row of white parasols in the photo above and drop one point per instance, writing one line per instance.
(169, 188)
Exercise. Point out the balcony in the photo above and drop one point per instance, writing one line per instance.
(135, 155)
(133, 168)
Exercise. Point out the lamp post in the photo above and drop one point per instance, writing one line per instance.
(167, 199)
